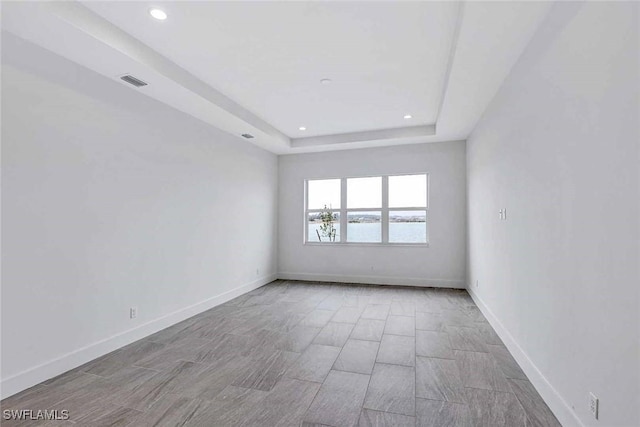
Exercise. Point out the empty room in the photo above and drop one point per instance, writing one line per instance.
(320, 213)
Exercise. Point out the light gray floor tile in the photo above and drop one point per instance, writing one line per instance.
(317, 318)
(171, 409)
(264, 373)
(428, 304)
(126, 356)
(392, 389)
(538, 413)
(376, 311)
(347, 315)
(457, 318)
(332, 302)
(474, 313)
(308, 424)
(229, 346)
(339, 400)
(176, 379)
(465, 338)
(166, 357)
(262, 340)
(298, 339)
(433, 344)
(506, 362)
(102, 392)
(185, 374)
(371, 418)
(487, 334)
(74, 378)
(247, 325)
(111, 415)
(210, 328)
(494, 408)
(479, 370)
(357, 356)
(439, 379)
(286, 322)
(429, 321)
(285, 405)
(212, 380)
(26, 398)
(360, 301)
(43, 397)
(314, 364)
(381, 296)
(434, 413)
(79, 405)
(173, 334)
(400, 325)
(403, 308)
(397, 350)
(234, 406)
(368, 329)
(335, 334)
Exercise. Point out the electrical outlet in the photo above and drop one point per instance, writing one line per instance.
(257, 271)
(594, 402)
(477, 283)
(133, 312)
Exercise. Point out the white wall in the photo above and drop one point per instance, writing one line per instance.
(441, 264)
(113, 200)
(558, 148)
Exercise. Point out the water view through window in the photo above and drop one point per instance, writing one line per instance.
(319, 231)
(379, 209)
(407, 227)
(364, 227)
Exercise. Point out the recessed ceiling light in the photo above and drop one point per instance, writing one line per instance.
(408, 116)
(159, 14)
(302, 128)
(325, 81)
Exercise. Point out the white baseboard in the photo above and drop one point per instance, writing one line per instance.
(560, 408)
(373, 280)
(30, 377)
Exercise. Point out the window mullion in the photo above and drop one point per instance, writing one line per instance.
(343, 210)
(385, 209)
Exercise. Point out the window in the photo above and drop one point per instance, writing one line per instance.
(408, 209)
(390, 209)
(323, 210)
(364, 210)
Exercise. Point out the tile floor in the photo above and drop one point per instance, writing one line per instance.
(306, 354)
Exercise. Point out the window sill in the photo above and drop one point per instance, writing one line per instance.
(394, 245)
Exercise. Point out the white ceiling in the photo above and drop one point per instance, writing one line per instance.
(256, 66)
(385, 59)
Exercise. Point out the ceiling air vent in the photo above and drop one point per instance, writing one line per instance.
(247, 135)
(132, 80)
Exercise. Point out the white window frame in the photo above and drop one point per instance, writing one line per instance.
(384, 210)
